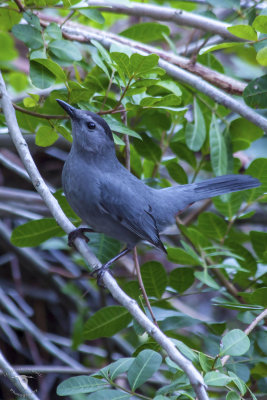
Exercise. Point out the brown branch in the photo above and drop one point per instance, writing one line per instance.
(39, 115)
(81, 33)
(20, 6)
(141, 284)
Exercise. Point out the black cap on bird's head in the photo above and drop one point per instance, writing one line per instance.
(89, 130)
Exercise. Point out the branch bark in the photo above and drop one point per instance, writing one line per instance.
(194, 376)
(84, 34)
(81, 33)
(161, 13)
(16, 379)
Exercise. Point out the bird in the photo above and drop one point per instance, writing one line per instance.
(113, 201)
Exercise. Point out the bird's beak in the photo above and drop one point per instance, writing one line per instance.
(67, 107)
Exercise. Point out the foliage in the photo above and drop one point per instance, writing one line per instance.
(177, 135)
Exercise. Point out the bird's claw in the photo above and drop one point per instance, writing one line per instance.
(80, 232)
(99, 273)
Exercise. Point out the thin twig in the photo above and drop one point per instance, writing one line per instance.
(39, 115)
(249, 329)
(141, 284)
(20, 6)
(16, 379)
(161, 13)
(194, 376)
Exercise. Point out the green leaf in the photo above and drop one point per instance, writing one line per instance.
(260, 23)
(92, 14)
(80, 384)
(235, 343)
(205, 362)
(240, 384)
(231, 205)
(257, 169)
(122, 63)
(54, 31)
(180, 256)
(65, 50)
(218, 152)
(154, 278)
(113, 370)
(106, 322)
(181, 279)
(7, 43)
(255, 93)
(102, 51)
(212, 225)
(176, 171)
(62, 201)
(262, 56)
(18, 80)
(144, 366)
(259, 297)
(109, 394)
(32, 19)
(215, 378)
(167, 85)
(8, 18)
(243, 133)
(40, 76)
(35, 232)
(184, 153)
(103, 246)
(233, 396)
(220, 46)
(148, 148)
(185, 350)
(195, 134)
(259, 242)
(52, 67)
(146, 32)
(45, 136)
(243, 31)
(29, 35)
(204, 277)
(211, 61)
(119, 127)
(143, 64)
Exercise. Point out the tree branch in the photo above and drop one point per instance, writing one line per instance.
(81, 33)
(75, 32)
(16, 379)
(194, 376)
(161, 13)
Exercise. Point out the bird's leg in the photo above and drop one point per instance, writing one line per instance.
(99, 272)
(79, 232)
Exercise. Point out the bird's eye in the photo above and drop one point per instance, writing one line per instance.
(91, 125)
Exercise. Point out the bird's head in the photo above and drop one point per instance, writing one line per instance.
(90, 132)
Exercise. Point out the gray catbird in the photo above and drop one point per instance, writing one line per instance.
(113, 201)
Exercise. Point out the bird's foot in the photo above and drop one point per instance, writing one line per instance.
(99, 273)
(79, 232)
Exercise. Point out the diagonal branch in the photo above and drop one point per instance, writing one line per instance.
(84, 34)
(161, 13)
(16, 379)
(194, 376)
(81, 33)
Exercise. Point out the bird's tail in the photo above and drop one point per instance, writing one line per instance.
(224, 184)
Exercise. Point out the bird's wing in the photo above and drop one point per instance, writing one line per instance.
(127, 207)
